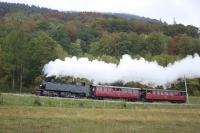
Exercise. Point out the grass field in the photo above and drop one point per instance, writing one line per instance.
(23, 114)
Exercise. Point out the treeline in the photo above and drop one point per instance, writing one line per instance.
(31, 36)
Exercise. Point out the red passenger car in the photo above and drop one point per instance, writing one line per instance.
(174, 96)
(115, 92)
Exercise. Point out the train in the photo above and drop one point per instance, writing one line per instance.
(101, 92)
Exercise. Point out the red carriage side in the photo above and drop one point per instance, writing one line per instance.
(116, 92)
(164, 95)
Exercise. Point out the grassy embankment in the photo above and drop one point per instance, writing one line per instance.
(22, 114)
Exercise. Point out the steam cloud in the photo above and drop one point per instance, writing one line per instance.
(128, 70)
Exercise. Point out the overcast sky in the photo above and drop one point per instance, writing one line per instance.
(186, 12)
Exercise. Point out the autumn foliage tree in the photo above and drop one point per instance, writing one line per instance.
(31, 36)
(172, 47)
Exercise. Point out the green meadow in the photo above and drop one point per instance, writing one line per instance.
(32, 114)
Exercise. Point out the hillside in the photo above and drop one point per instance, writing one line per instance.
(31, 36)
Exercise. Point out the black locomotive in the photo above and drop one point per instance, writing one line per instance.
(71, 90)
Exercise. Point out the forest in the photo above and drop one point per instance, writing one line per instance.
(31, 36)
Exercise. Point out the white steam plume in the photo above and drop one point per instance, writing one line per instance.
(128, 70)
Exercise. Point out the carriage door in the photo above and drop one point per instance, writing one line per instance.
(92, 90)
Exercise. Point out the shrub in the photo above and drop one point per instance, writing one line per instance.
(4, 88)
(37, 102)
(81, 104)
(49, 103)
(124, 105)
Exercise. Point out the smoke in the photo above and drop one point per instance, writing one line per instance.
(128, 70)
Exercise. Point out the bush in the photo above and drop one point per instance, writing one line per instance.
(124, 105)
(81, 104)
(49, 103)
(27, 89)
(37, 102)
(4, 88)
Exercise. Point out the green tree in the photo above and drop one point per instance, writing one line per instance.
(105, 44)
(75, 49)
(2, 72)
(19, 16)
(109, 59)
(42, 49)
(7, 28)
(195, 46)
(61, 53)
(125, 46)
(94, 48)
(62, 37)
(184, 44)
(14, 57)
(89, 56)
(87, 35)
(192, 31)
(156, 43)
(115, 43)
(143, 39)
(193, 87)
(136, 57)
(163, 59)
(43, 25)
(135, 46)
(148, 57)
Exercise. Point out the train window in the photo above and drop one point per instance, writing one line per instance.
(149, 92)
(161, 92)
(171, 93)
(158, 92)
(135, 91)
(176, 93)
(129, 91)
(118, 89)
(154, 92)
(109, 89)
(165, 93)
(182, 93)
(105, 89)
(99, 88)
(114, 89)
(124, 90)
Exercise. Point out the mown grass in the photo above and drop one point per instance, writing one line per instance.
(24, 114)
(34, 119)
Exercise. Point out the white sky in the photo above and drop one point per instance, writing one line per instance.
(186, 12)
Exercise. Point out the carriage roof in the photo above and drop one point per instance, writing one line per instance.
(117, 87)
(163, 90)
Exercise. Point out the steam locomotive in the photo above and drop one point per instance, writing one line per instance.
(100, 92)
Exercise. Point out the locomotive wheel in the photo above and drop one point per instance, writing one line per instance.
(77, 96)
(68, 94)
